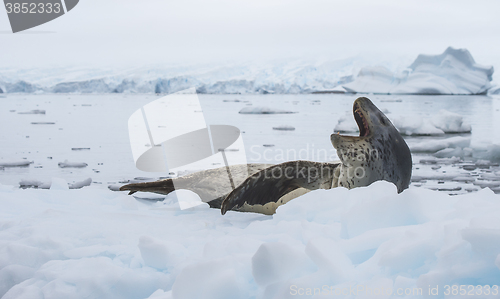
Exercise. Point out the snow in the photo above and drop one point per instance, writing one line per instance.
(95, 243)
(263, 110)
(452, 72)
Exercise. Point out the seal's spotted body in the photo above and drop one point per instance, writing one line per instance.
(379, 153)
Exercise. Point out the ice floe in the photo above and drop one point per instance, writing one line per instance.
(92, 243)
(439, 144)
(444, 122)
(20, 163)
(284, 128)
(263, 110)
(36, 111)
(67, 163)
(55, 183)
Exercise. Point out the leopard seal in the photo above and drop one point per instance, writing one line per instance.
(378, 153)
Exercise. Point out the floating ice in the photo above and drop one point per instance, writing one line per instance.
(488, 151)
(59, 184)
(439, 144)
(36, 111)
(445, 122)
(30, 183)
(284, 128)
(43, 123)
(27, 183)
(81, 184)
(66, 163)
(452, 72)
(450, 122)
(20, 163)
(263, 110)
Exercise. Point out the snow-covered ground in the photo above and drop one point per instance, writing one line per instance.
(95, 243)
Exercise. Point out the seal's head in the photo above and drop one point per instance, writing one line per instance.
(379, 153)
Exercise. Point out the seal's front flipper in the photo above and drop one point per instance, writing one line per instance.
(265, 190)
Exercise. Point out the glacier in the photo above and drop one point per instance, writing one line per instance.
(452, 72)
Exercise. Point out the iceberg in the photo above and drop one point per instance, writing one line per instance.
(452, 72)
(495, 90)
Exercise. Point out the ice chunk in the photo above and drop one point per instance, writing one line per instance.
(81, 184)
(328, 256)
(66, 163)
(59, 184)
(154, 253)
(450, 122)
(15, 163)
(441, 123)
(274, 262)
(415, 125)
(484, 241)
(36, 111)
(215, 279)
(488, 151)
(26, 183)
(263, 110)
(439, 144)
(284, 128)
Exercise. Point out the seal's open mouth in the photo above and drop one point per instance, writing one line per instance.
(361, 121)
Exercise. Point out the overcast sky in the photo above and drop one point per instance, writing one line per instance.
(133, 33)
